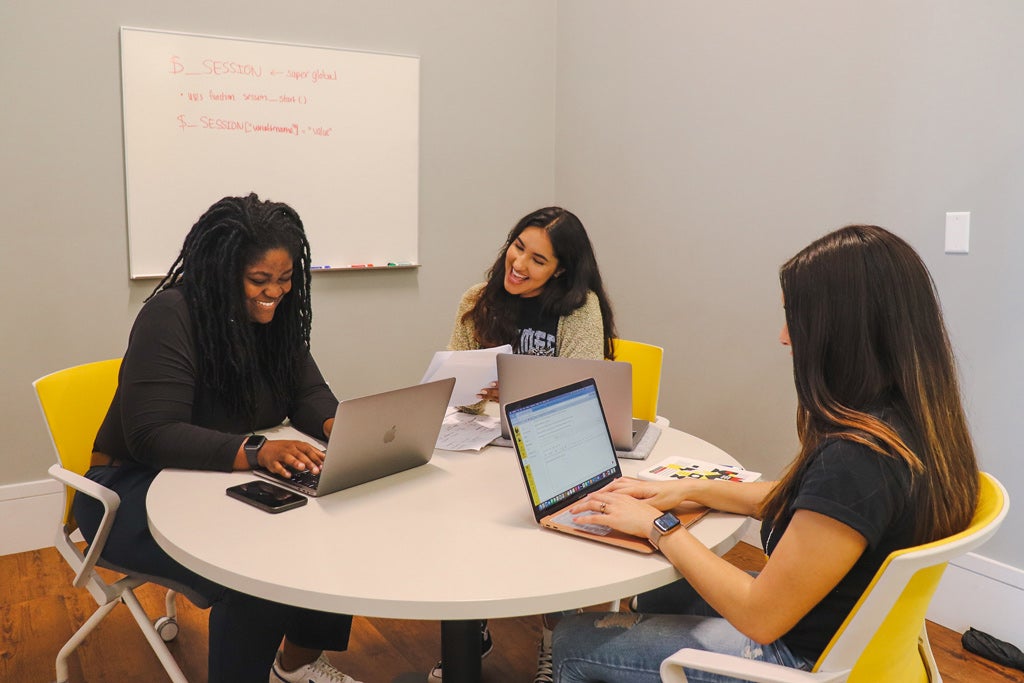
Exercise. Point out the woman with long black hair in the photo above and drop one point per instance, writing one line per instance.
(543, 295)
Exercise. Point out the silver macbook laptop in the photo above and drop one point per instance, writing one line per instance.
(373, 436)
(520, 376)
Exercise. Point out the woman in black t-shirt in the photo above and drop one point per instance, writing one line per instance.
(885, 462)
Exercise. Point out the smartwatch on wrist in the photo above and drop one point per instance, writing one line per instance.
(663, 525)
(252, 448)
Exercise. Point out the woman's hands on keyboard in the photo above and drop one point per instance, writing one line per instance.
(283, 457)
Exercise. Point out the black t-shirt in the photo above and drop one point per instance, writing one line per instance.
(866, 491)
(538, 333)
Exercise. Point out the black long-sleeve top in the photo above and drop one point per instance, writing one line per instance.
(158, 417)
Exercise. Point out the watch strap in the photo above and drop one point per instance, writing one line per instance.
(251, 447)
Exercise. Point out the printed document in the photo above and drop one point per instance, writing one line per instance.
(465, 432)
(472, 370)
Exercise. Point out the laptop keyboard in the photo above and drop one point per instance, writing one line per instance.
(300, 477)
(306, 478)
(565, 517)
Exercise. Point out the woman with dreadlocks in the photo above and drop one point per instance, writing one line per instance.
(218, 351)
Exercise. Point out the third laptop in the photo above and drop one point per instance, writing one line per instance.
(520, 376)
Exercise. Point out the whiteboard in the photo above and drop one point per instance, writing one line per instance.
(333, 133)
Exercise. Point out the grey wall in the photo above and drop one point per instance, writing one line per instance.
(487, 157)
(701, 143)
(705, 143)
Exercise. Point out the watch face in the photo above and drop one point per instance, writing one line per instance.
(666, 522)
(255, 442)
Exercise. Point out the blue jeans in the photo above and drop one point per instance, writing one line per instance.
(627, 647)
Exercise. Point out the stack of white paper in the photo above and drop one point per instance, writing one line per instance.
(465, 432)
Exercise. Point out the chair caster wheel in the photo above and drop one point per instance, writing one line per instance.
(167, 628)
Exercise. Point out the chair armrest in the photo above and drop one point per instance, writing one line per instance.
(110, 501)
(746, 669)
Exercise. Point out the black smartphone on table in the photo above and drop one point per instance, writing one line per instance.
(266, 496)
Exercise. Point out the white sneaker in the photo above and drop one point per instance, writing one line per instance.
(545, 669)
(318, 671)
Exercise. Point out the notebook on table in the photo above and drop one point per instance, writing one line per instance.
(373, 436)
(565, 451)
(520, 376)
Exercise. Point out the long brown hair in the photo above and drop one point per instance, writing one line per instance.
(868, 341)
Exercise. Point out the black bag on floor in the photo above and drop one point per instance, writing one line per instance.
(983, 644)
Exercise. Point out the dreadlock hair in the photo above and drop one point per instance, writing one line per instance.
(494, 314)
(869, 344)
(232, 353)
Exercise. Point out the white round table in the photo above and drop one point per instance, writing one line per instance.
(454, 540)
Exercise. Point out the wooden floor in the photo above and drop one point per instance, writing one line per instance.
(39, 610)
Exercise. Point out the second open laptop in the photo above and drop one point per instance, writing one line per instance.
(373, 436)
(520, 376)
(565, 452)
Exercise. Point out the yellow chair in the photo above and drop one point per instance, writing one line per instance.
(646, 360)
(74, 402)
(883, 639)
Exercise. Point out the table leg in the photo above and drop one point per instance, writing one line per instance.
(460, 651)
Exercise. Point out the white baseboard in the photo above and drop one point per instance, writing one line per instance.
(983, 593)
(29, 513)
(974, 591)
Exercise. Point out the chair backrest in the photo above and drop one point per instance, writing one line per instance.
(74, 402)
(646, 360)
(879, 639)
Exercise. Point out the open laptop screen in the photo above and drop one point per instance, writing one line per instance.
(563, 443)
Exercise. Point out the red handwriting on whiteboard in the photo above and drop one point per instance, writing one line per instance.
(216, 67)
(243, 126)
(249, 127)
(281, 99)
(227, 67)
(321, 75)
(231, 68)
(224, 96)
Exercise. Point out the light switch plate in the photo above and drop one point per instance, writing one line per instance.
(958, 232)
